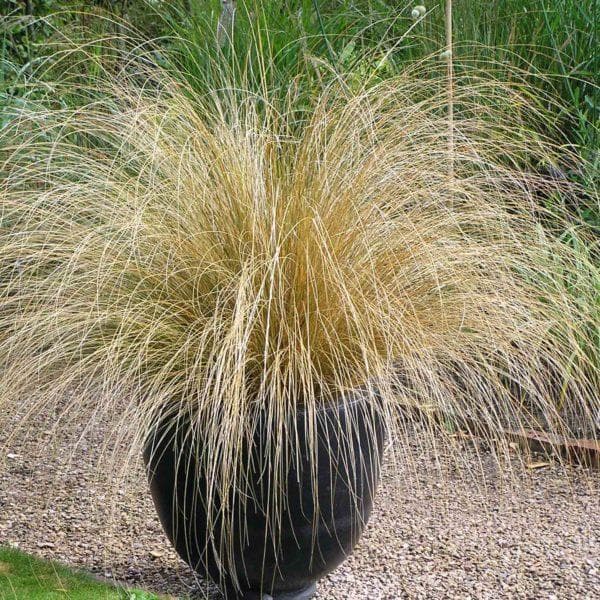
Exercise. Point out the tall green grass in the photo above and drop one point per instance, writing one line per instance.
(294, 49)
(557, 38)
(293, 46)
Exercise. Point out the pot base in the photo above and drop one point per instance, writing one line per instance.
(304, 594)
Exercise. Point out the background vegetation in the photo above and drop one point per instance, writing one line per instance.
(298, 45)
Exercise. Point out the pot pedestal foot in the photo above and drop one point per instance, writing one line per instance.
(305, 594)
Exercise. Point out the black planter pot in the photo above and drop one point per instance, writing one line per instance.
(305, 548)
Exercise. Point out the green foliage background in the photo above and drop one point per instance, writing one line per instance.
(554, 37)
(300, 44)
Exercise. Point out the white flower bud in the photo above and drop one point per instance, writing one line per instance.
(421, 9)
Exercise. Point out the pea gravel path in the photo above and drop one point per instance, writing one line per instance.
(430, 537)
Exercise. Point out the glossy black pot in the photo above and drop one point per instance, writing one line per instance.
(350, 439)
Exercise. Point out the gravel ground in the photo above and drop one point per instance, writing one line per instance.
(436, 531)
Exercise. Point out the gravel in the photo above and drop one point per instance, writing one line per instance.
(437, 531)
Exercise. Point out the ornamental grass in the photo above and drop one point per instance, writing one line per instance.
(166, 254)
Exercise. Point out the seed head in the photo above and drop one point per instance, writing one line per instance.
(418, 12)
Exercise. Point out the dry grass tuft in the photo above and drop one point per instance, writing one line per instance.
(166, 254)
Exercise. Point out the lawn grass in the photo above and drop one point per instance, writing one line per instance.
(23, 577)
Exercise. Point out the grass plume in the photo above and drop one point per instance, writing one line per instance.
(168, 254)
